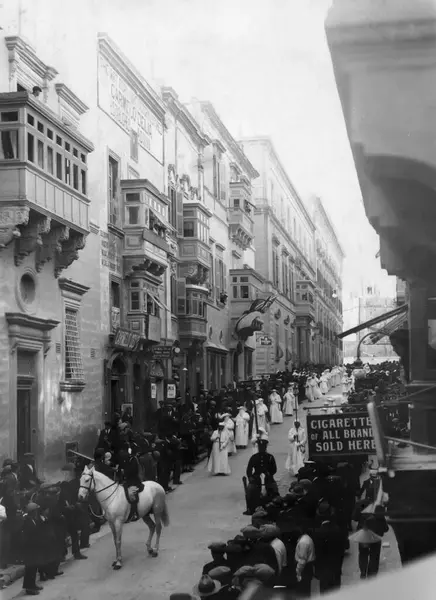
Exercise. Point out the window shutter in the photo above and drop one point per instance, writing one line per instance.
(179, 209)
(212, 277)
(181, 296)
(225, 277)
(215, 176)
(223, 182)
(217, 279)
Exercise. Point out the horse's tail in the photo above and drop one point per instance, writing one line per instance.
(165, 514)
(160, 507)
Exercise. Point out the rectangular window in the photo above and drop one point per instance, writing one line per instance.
(50, 165)
(68, 171)
(113, 172)
(173, 284)
(235, 291)
(83, 178)
(115, 294)
(133, 212)
(59, 165)
(31, 120)
(236, 203)
(75, 152)
(9, 145)
(30, 147)
(49, 134)
(188, 229)
(135, 303)
(40, 127)
(75, 177)
(245, 292)
(173, 207)
(40, 154)
(73, 355)
(67, 147)
(10, 116)
(133, 197)
(134, 146)
(58, 140)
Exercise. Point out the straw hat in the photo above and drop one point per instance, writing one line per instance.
(206, 587)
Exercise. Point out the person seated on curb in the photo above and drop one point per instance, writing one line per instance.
(260, 466)
(217, 549)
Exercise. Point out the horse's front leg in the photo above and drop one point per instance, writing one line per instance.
(118, 531)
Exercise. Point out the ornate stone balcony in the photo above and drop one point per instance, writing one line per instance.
(241, 227)
(43, 197)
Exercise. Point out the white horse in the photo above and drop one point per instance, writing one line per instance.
(116, 509)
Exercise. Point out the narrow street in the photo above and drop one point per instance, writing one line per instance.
(202, 510)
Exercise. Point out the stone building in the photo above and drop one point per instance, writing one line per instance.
(285, 258)
(329, 264)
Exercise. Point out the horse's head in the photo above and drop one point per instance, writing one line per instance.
(87, 482)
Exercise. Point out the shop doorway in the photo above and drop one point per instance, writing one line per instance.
(27, 404)
(118, 385)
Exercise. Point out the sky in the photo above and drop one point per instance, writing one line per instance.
(265, 66)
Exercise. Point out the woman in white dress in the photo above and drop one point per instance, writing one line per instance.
(219, 458)
(230, 426)
(312, 384)
(275, 406)
(316, 390)
(289, 401)
(323, 385)
(262, 416)
(242, 426)
(297, 451)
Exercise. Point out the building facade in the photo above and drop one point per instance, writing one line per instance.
(285, 258)
(329, 267)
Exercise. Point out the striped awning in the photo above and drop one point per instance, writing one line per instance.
(400, 310)
(396, 323)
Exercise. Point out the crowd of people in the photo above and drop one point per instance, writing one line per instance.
(42, 515)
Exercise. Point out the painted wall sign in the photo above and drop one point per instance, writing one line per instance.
(126, 339)
(156, 370)
(262, 339)
(153, 390)
(118, 100)
(111, 251)
(162, 351)
(348, 433)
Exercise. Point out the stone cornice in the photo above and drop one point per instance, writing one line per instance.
(133, 77)
(140, 184)
(24, 320)
(18, 48)
(184, 117)
(319, 206)
(267, 142)
(71, 99)
(72, 287)
(234, 147)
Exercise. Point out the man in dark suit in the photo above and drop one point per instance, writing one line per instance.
(28, 477)
(73, 511)
(107, 438)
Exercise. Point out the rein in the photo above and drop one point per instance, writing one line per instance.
(102, 490)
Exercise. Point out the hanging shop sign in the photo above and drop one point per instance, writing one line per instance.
(126, 339)
(171, 391)
(162, 352)
(346, 434)
(118, 99)
(153, 391)
(156, 370)
(262, 339)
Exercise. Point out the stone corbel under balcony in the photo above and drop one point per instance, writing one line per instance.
(240, 237)
(142, 263)
(11, 216)
(31, 236)
(69, 252)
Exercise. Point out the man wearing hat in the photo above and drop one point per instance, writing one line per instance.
(71, 510)
(130, 467)
(260, 471)
(217, 549)
(108, 438)
(28, 477)
(207, 587)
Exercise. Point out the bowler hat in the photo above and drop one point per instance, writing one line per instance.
(206, 587)
(217, 547)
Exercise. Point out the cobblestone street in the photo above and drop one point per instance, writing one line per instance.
(202, 510)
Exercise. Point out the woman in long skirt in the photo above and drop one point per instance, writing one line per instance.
(289, 402)
(275, 404)
(297, 450)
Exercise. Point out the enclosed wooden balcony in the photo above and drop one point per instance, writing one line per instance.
(44, 205)
(305, 300)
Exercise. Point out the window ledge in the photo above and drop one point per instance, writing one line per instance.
(72, 386)
(116, 230)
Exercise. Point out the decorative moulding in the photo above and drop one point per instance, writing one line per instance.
(30, 333)
(22, 51)
(72, 287)
(72, 386)
(64, 93)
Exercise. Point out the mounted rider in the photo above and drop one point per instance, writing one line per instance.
(129, 465)
(261, 466)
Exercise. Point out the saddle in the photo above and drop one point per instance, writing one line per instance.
(132, 492)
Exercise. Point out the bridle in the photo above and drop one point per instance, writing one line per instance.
(92, 480)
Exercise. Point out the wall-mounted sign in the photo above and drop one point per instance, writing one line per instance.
(162, 352)
(127, 409)
(156, 370)
(171, 391)
(262, 339)
(348, 433)
(126, 339)
(111, 251)
(117, 99)
(153, 390)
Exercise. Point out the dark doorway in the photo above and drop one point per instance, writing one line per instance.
(118, 385)
(27, 406)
